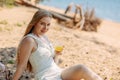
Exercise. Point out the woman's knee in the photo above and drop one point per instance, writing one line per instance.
(74, 72)
(80, 67)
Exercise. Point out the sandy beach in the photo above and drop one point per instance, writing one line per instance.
(98, 50)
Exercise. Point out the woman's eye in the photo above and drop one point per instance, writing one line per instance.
(48, 24)
(42, 23)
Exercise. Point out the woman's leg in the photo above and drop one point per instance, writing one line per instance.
(79, 72)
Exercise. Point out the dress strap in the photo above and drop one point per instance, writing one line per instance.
(30, 35)
(34, 37)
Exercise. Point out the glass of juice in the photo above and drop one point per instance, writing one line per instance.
(59, 48)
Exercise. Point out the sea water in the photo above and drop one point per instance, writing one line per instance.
(106, 9)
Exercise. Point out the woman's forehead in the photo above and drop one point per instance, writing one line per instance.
(45, 19)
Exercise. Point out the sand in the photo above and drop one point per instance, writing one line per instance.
(99, 51)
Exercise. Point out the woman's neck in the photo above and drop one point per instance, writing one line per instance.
(37, 34)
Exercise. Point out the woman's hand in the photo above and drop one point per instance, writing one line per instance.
(58, 52)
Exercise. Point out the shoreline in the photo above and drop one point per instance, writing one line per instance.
(102, 8)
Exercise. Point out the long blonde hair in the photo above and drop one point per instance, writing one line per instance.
(36, 17)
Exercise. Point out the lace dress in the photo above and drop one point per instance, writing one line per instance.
(42, 60)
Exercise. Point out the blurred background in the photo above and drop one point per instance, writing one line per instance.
(89, 30)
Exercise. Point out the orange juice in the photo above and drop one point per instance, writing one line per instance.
(59, 48)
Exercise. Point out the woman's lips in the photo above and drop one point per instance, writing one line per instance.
(43, 31)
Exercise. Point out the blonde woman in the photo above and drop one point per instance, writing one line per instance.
(35, 53)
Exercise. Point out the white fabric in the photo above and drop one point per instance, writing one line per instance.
(42, 60)
(2, 67)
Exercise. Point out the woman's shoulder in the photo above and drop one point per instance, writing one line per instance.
(27, 41)
(28, 38)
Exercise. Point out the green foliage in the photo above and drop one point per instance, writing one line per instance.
(39, 1)
(11, 61)
(18, 24)
(1, 29)
(111, 78)
(7, 3)
(24, 22)
(8, 28)
(10, 2)
(4, 22)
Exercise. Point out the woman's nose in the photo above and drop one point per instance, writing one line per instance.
(46, 27)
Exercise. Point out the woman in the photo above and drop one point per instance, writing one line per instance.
(36, 53)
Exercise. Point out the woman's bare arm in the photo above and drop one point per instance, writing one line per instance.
(25, 49)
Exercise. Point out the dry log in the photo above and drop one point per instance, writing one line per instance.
(56, 15)
(77, 22)
(92, 23)
(86, 21)
(81, 21)
(68, 8)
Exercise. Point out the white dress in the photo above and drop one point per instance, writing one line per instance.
(42, 60)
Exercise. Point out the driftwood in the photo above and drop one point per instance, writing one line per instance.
(78, 18)
(60, 17)
(86, 21)
(56, 15)
(92, 23)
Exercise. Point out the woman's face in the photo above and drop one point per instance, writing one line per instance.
(43, 25)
